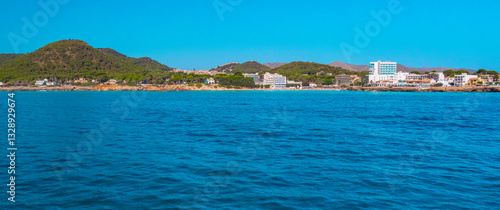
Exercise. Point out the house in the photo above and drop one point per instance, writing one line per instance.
(81, 80)
(51, 83)
(488, 77)
(209, 81)
(41, 82)
(421, 83)
(475, 81)
(111, 82)
(313, 85)
(1, 83)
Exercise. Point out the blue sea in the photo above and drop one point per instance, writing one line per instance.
(255, 150)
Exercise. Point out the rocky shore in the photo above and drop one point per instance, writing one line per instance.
(430, 89)
(216, 88)
(121, 88)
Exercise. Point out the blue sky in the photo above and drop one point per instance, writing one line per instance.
(191, 34)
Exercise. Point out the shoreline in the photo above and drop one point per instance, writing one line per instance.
(212, 88)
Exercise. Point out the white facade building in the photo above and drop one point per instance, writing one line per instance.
(276, 81)
(209, 81)
(382, 71)
(461, 80)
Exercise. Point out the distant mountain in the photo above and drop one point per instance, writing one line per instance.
(400, 68)
(350, 67)
(4, 58)
(273, 65)
(74, 58)
(247, 67)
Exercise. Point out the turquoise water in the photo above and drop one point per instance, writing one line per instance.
(256, 149)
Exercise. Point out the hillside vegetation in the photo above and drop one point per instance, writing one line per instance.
(68, 59)
(313, 72)
(247, 67)
(4, 58)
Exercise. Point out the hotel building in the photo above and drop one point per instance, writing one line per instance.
(381, 71)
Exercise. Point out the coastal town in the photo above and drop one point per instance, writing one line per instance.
(381, 75)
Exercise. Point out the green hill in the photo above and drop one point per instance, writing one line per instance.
(313, 72)
(251, 67)
(309, 68)
(4, 58)
(145, 62)
(247, 67)
(68, 59)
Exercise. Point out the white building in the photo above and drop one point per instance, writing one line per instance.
(254, 76)
(381, 71)
(276, 81)
(461, 80)
(41, 82)
(1, 83)
(210, 81)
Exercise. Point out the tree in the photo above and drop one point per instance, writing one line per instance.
(328, 82)
(438, 85)
(415, 72)
(427, 72)
(482, 71)
(449, 73)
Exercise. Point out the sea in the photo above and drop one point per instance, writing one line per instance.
(254, 150)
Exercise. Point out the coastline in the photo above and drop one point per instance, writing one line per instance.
(213, 88)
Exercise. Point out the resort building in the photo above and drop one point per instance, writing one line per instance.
(346, 80)
(294, 83)
(276, 81)
(254, 76)
(381, 71)
(461, 80)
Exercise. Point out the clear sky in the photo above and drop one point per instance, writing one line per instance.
(191, 34)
